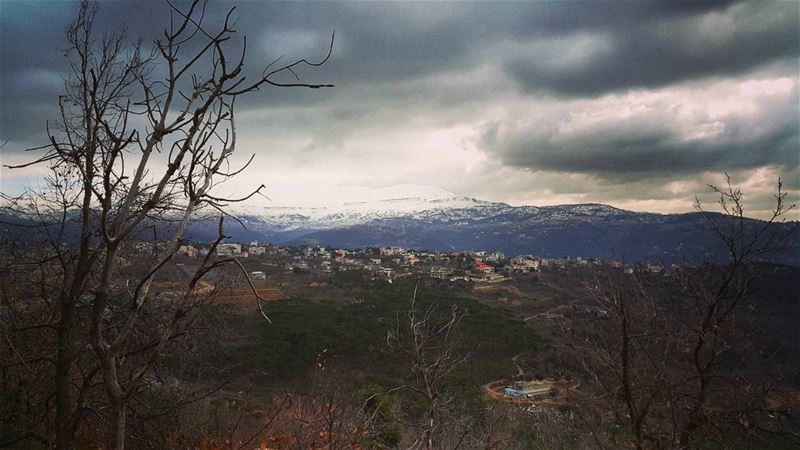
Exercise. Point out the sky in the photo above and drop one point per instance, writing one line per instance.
(634, 104)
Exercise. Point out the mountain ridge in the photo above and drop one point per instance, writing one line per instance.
(451, 223)
(440, 220)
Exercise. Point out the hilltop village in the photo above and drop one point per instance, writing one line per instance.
(390, 263)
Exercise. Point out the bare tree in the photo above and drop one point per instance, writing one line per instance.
(631, 353)
(430, 345)
(669, 357)
(715, 299)
(131, 149)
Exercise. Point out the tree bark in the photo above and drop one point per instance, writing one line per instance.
(118, 415)
(63, 369)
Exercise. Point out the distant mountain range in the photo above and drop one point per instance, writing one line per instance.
(434, 219)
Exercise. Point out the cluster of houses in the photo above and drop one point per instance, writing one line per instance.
(392, 262)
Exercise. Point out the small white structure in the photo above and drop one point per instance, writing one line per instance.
(525, 264)
(258, 275)
(187, 250)
(234, 249)
(495, 257)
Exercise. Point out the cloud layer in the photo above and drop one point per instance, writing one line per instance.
(636, 104)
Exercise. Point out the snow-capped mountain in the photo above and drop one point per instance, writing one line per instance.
(406, 202)
(421, 217)
(432, 218)
(371, 204)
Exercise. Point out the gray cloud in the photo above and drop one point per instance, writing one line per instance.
(660, 50)
(378, 43)
(677, 130)
(536, 82)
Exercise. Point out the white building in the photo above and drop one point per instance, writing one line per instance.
(234, 249)
(187, 250)
(495, 257)
(258, 275)
(525, 264)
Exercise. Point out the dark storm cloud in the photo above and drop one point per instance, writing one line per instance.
(30, 73)
(33, 64)
(657, 51)
(661, 137)
(378, 44)
(651, 43)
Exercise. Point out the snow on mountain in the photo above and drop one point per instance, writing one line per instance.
(356, 205)
(405, 201)
(435, 219)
